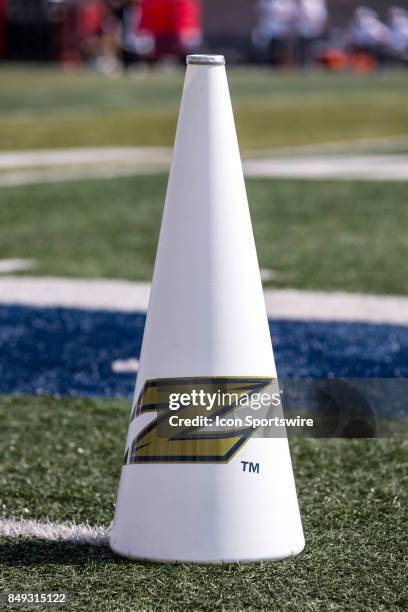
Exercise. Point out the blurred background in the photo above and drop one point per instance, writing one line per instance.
(89, 97)
(111, 34)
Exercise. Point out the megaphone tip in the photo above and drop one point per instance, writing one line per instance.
(209, 60)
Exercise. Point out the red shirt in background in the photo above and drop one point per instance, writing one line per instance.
(91, 17)
(170, 18)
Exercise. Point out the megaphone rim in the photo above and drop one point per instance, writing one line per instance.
(206, 60)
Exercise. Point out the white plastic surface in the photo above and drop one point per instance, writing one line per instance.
(207, 317)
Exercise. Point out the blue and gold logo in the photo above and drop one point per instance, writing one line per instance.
(198, 401)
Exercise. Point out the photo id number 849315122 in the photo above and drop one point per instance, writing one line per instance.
(33, 598)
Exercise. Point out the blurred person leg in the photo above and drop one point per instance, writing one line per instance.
(91, 18)
(310, 28)
(115, 33)
(272, 36)
(398, 39)
(368, 38)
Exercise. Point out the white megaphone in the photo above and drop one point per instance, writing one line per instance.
(197, 493)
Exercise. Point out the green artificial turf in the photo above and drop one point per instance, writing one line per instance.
(310, 234)
(47, 108)
(61, 461)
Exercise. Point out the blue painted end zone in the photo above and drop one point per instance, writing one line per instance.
(70, 352)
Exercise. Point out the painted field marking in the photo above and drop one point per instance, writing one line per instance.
(54, 532)
(95, 155)
(50, 166)
(15, 265)
(126, 296)
(125, 366)
(357, 167)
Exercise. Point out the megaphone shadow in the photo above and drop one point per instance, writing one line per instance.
(26, 553)
(339, 409)
(343, 411)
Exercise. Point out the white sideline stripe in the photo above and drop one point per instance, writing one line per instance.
(361, 167)
(123, 296)
(95, 155)
(38, 177)
(376, 144)
(126, 296)
(91, 155)
(55, 532)
(14, 265)
(337, 306)
(53, 166)
(57, 165)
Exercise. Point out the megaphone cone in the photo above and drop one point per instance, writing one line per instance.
(194, 493)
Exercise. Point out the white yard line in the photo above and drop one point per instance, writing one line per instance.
(336, 306)
(90, 155)
(54, 532)
(57, 165)
(15, 265)
(357, 167)
(100, 155)
(122, 296)
(126, 296)
(380, 144)
(35, 167)
(39, 177)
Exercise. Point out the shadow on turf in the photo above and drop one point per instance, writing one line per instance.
(34, 552)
